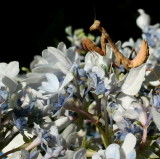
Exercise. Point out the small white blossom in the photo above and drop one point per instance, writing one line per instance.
(143, 20)
(52, 85)
(8, 73)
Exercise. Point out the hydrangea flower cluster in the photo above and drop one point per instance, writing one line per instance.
(73, 104)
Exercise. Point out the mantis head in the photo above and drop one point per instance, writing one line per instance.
(95, 25)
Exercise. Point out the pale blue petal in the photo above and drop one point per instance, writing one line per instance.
(131, 155)
(53, 81)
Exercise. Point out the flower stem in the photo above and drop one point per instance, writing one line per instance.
(14, 150)
(144, 137)
(104, 137)
(35, 142)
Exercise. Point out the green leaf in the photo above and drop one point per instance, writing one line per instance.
(91, 37)
(68, 30)
(78, 31)
(86, 142)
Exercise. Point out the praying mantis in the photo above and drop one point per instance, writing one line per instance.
(140, 58)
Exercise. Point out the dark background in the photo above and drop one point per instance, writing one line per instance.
(27, 28)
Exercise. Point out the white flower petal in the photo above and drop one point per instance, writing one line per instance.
(108, 58)
(109, 82)
(133, 81)
(52, 85)
(53, 81)
(145, 102)
(93, 59)
(71, 139)
(142, 117)
(131, 114)
(27, 101)
(59, 56)
(125, 100)
(45, 87)
(49, 57)
(12, 69)
(37, 60)
(128, 43)
(97, 156)
(117, 116)
(62, 47)
(11, 84)
(112, 151)
(129, 143)
(68, 154)
(88, 62)
(3, 67)
(99, 71)
(155, 83)
(102, 153)
(34, 80)
(68, 130)
(156, 117)
(88, 67)
(62, 123)
(17, 141)
(71, 54)
(67, 79)
(143, 20)
(44, 69)
(62, 68)
(80, 154)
